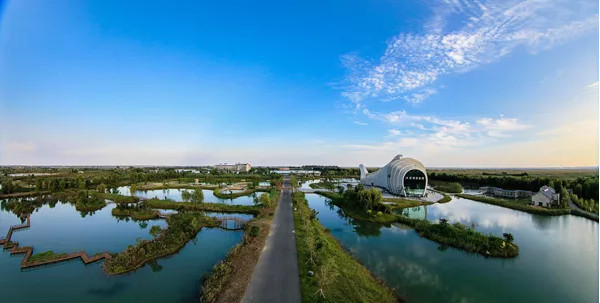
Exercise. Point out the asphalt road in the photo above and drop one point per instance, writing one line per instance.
(275, 278)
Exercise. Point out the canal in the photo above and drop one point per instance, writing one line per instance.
(558, 259)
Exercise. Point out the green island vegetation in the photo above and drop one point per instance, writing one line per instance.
(522, 205)
(182, 227)
(460, 236)
(46, 256)
(139, 211)
(243, 256)
(42, 179)
(365, 204)
(89, 201)
(399, 203)
(195, 196)
(217, 192)
(362, 204)
(448, 187)
(336, 275)
(191, 206)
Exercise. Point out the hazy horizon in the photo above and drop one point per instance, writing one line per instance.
(497, 84)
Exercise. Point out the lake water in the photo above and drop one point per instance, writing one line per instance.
(558, 259)
(175, 195)
(62, 229)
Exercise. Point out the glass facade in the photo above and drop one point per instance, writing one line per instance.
(414, 183)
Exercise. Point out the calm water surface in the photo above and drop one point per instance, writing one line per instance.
(558, 260)
(62, 229)
(175, 195)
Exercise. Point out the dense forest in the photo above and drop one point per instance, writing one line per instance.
(583, 186)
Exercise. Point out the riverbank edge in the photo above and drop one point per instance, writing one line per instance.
(229, 278)
(358, 285)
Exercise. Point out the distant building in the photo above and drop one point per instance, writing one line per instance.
(402, 176)
(545, 197)
(238, 167)
(505, 193)
(297, 172)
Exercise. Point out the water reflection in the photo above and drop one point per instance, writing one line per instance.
(560, 253)
(62, 229)
(174, 194)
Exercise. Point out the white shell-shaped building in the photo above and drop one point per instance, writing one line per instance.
(402, 176)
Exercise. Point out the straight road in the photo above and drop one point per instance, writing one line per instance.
(275, 278)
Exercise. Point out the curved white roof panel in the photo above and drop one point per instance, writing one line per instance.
(402, 176)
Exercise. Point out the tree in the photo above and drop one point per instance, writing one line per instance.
(101, 188)
(508, 237)
(186, 196)
(265, 200)
(198, 196)
(155, 231)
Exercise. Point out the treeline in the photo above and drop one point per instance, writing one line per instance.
(589, 205)
(585, 187)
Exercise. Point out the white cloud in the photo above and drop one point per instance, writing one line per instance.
(500, 127)
(489, 30)
(361, 123)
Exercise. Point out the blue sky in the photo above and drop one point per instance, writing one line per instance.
(452, 83)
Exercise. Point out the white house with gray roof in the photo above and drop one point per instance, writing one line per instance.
(545, 197)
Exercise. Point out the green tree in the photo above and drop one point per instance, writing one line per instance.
(155, 231)
(101, 188)
(186, 196)
(508, 237)
(198, 196)
(265, 200)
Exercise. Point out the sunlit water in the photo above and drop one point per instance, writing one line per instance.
(62, 229)
(175, 195)
(557, 262)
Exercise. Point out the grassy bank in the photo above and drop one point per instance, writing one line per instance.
(228, 280)
(445, 199)
(580, 213)
(45, 256)
(182, 228)
(399, 203)
(216, 207)
(338, 277)
(518, 206)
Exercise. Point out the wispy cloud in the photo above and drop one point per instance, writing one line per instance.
(488, 30)
(501, 127)
(434, 131)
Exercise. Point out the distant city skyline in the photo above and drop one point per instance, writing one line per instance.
(451, 83)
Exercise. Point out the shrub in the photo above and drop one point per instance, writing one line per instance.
(254, 230)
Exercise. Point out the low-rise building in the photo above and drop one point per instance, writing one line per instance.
(238, 167)
(506, 193)
(546, 197)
